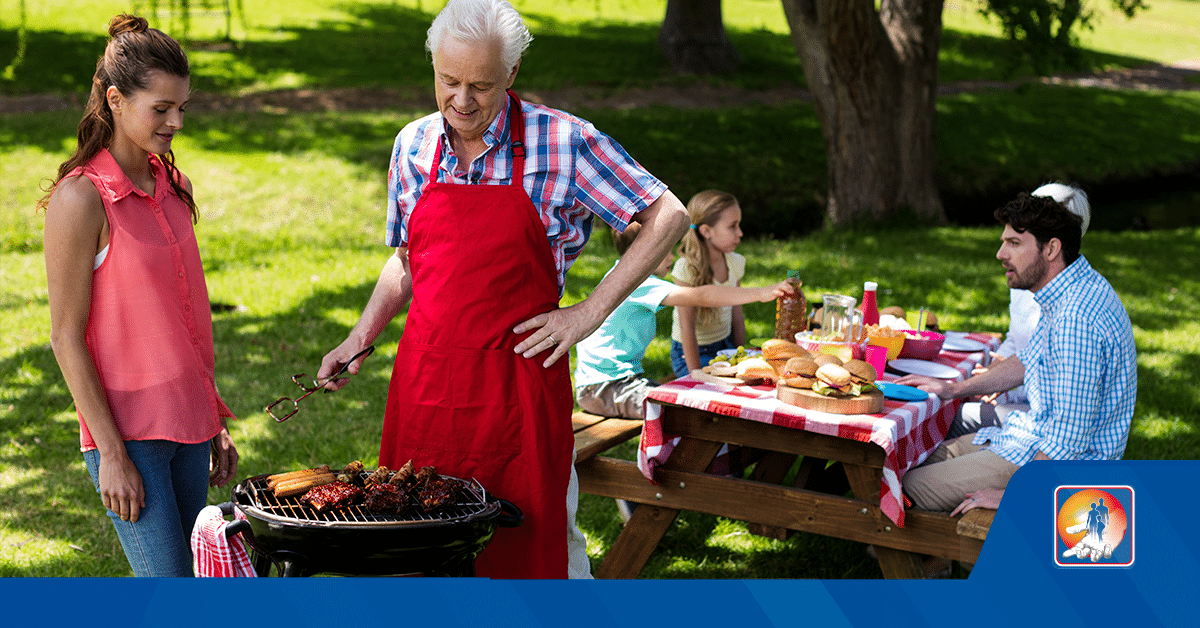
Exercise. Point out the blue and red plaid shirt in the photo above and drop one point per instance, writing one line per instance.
(572, 172)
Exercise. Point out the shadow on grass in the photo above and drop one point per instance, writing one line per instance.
(384, 46)
(49, 496)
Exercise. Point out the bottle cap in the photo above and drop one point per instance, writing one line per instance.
(870, 286)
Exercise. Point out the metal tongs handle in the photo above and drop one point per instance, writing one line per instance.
(317, 384)
(361, 354)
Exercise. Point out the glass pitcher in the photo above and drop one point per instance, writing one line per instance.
(837, 316)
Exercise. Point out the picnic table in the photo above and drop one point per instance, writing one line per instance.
(688, 424)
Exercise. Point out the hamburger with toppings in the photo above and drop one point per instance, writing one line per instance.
(799, 373)
(861, 372)
(850, 379)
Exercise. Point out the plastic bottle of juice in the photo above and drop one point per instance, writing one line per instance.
(791, 311)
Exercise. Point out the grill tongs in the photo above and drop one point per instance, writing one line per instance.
(302, 380)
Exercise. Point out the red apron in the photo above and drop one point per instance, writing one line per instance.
(460, 398)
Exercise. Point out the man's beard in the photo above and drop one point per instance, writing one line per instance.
(1032, 276)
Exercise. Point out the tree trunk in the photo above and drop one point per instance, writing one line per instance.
(693, 38)
(873, 77)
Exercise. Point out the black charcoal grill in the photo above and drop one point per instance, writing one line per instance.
(355, 541)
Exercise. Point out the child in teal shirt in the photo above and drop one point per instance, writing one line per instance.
(609, 377)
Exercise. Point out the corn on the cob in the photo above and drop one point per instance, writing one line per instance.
(302, 485)
(274, 480)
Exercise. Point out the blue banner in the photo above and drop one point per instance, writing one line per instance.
(1136, 512)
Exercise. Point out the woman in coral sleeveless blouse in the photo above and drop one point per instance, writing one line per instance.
(130, 321)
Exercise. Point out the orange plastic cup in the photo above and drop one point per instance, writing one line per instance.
(893, 344)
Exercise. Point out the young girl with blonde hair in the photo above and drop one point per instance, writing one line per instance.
(130, 319)
(707, 257)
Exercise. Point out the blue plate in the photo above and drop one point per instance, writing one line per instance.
(900, 392)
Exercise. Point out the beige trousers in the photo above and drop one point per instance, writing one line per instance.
(578, 565)
(955, 468)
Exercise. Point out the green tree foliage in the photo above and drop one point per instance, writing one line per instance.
(1044, 32)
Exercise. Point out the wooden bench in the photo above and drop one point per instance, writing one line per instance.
(600, 475)
(976, 523)
(595, 434)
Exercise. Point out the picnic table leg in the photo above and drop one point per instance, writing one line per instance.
(896, 564)
(632, 549)
(773, 468)
(643, 531)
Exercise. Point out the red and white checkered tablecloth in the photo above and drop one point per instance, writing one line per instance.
(907, 431)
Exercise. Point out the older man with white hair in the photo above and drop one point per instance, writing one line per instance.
(490, 200)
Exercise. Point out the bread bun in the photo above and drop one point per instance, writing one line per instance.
(776, 349)
(826, 358)
(861, 372)
(755, 370)
(799, 373)
(777, 352)
(894, 310)
(834, 376)
(801, 366)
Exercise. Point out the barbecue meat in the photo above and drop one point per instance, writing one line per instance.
(386, 499)
(438, 493)
(425, 475)
(405, 475)
(332, 496)
(380, 476)
(352, 474)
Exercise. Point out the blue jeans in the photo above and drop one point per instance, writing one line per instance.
(175, 480)
(707, 353)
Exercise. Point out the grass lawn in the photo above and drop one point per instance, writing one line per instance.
(292, 224)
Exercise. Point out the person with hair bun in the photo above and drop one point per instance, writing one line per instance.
(131, 325)
(490, 201)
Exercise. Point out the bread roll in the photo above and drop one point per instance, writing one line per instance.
(825, 358)
(776, 349)
(754, 370)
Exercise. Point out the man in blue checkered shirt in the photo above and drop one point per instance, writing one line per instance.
(1080, 369)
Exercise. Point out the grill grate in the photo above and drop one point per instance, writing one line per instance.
(254, 493)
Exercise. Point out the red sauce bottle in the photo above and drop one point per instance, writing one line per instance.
(870, 309)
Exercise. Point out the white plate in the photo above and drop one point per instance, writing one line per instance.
(924, 367)
(963, 344)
